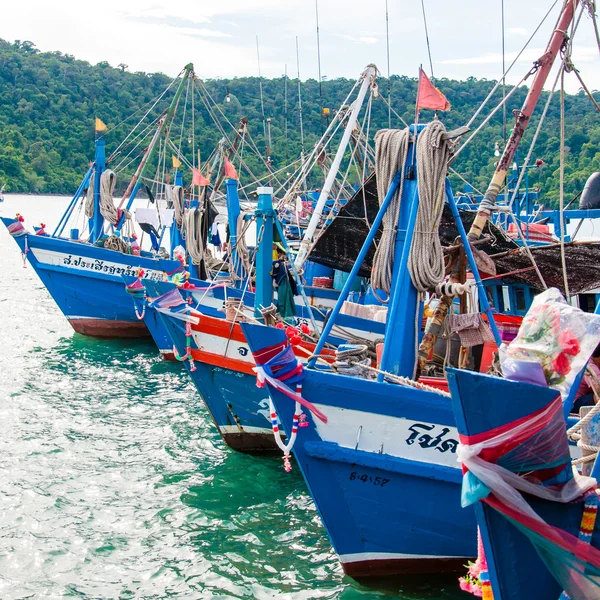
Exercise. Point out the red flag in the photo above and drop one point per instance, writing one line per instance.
(428, 96)
(230, 172)
(199, 179)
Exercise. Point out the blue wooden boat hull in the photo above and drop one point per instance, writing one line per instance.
(382, 471)
(238, 408)
(483, 403)
(86, 283)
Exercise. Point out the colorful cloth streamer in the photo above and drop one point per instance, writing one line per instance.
(284, 366)
(531, 455)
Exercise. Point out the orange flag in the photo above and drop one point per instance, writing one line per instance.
(230, 171)
(428, 96)
(199, 179)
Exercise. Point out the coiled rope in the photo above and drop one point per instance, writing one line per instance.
(192, 228)
(175, 199)
(89, 199)
(243, 255)
(107, 205)
(426, 259)
(391, 149)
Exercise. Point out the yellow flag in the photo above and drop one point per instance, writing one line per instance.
(100, 126)
(176, 162)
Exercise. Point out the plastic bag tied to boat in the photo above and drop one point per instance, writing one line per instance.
(553, 345)
(531, 455)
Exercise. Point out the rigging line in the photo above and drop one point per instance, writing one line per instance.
(512, 64)
(157, 100)
(592, 13)
(485, 121)
(262, 103)
(185, 103)
(395, 113)
(141, 138)
(427, 37)
(333, 125)
(562, 182)
(534, 140)
(203, 90)
(319, 65)
(135, 141)
(389, 82)
(455, 172)
(300, 102)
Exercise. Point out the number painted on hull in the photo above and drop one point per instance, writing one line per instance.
(364, 478)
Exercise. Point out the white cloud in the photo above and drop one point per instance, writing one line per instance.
(203, 32)
(160, 35)
(357, 39)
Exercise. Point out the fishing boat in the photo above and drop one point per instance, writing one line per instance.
(83, 276)
(536, 512)
(213, 347)
(379, 452)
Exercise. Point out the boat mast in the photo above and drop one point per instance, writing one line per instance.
(134, 184)
(541, 69)
(300, 104)
(368, 76)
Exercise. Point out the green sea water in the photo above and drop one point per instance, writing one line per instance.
(114, 483)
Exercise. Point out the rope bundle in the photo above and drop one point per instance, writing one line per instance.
(426, 260)
(391, 147)
(192, 227)
(89, 199)
(107, 204)
(175, 199)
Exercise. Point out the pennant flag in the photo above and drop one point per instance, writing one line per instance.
(100, 126)
(428, 96)
(199, 179)
(176, 162)
(230, 171)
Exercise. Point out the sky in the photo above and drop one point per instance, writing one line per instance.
(219, 36)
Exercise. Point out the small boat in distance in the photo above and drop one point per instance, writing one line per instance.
(2, 193)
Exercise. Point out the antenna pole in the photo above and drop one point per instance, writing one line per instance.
(300, 103)
(262, 109)
(427, 37)
(285, 112)
(389, 81)
(319, 66)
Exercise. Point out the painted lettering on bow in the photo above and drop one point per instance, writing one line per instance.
(79, 262)
(429, 436)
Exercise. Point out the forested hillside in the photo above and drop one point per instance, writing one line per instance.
(48, 102)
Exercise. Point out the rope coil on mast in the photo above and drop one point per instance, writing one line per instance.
(89, 199)
(107, 206)
(391, 149)
(426, 259)
(192, 229)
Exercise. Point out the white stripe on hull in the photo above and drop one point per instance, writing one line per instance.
(224, 429)
(364, 556)
(382, 434)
